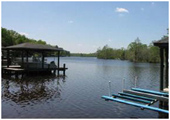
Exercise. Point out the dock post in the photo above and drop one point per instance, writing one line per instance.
(42, 60)
(22, 59)
(162, 69)
(16, 74)
(136, 77)
(109, 88)
(64, 66)
(27, 62)
(54, 72)
(123, 82)
(58, 72)
(166, 67)
(22, 74)
(8, 59)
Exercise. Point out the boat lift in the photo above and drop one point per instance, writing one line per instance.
(140, 98)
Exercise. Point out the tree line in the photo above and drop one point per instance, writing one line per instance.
(83, 54)
(135, 52)
(11, 37)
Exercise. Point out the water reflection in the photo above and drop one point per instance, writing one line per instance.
(79, 94)
(146, 78)
(32, 90)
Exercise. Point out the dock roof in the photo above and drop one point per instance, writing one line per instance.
(33, 46)
(163, 42)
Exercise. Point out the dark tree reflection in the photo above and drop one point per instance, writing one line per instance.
(32, 89)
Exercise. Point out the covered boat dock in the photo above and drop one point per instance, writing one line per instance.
(163, 44)
(26, 64)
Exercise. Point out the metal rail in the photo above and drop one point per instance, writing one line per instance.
(158, 97)
(151, 91)
(136, 104)
(137, 96)
(133, 99)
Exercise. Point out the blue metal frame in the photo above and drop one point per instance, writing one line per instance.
(151, 91)
(137, 96)
(136, 104)
(133, 99)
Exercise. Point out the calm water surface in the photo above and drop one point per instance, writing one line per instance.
(78, 95)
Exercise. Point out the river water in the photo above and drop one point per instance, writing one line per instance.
(78, 95)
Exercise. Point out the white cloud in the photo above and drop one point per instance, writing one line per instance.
(121, 10)
(23, 33)
(70, 21)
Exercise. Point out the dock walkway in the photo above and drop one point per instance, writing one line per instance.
(15, 70)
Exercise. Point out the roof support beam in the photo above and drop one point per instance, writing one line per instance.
(166, 67)
(161, 68)
(58, 64)
(27, 59)
(42, 60)
(8, 59)
(22, 57)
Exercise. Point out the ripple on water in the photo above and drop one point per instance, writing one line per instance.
(79, 94)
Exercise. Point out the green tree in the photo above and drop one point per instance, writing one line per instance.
(105, 53)
(153, 54)
(136, 51)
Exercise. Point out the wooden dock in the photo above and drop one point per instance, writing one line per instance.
(16, 71)
(12, 66)
(36, 65)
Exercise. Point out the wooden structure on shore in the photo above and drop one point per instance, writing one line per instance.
(136, 96)
(34, 66)
(163, 44)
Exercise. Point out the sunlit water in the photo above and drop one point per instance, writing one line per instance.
(78, 95)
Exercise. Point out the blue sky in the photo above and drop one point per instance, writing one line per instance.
(83, 27)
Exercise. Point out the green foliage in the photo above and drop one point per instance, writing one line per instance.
(83, 54)
(109, 53)
(153, 53)
(10, 37)
(136, 52)
(65, 53)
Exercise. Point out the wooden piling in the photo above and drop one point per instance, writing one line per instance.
(161, 69)
(42, 60)
(22, 58)
(64, 66)
(166, 68)
(8, 59)
(58, 63)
